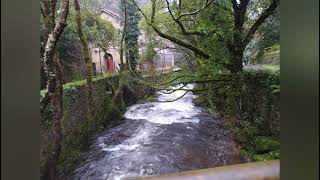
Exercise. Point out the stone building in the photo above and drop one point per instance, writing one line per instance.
(164, 58)
(107, 62)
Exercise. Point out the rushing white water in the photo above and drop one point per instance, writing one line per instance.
(141, 137)
(179, 111)
(156, 138)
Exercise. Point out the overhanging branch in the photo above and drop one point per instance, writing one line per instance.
(206, 4)
(184, 31)
(174, 39)
(274, 4)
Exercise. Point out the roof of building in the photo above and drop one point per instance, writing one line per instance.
(111, 13)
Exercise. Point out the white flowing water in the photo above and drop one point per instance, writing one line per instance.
(158, 138)
(179, 111)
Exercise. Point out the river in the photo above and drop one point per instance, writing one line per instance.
(158, 138)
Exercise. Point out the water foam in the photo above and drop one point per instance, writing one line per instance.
(179, 111)
(135, 141)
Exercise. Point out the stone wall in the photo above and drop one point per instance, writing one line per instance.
(75, 140)
(250, 106)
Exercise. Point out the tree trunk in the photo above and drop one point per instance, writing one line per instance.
(236, 65)
(88, 63)
(122, 67)
(241, 38)
(101, 70)
(57, 103)
(55, 89)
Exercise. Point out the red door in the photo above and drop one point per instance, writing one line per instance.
(110, 66)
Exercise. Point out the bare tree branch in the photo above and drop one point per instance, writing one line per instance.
(261, 20)
(179, 77)
(207, 3)
(183, 29)
(53, 12)
(170, 37)
(42, 10)
(176, 98)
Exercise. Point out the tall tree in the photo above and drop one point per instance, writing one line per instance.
(241, 36)
(88, 62)
(187, 18)
(53, 32)
(123, 35)
(131, 13)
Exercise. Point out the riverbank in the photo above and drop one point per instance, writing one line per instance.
(250, 107)
(159, 138)
(113, 94)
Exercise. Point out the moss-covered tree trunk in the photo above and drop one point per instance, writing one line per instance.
(130, 12)
(88, 63)
(122, 67)
(55, 89)
(241, 36)
(236, 52)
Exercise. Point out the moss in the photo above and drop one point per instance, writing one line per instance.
(81, 83)
(245, 155)
(150, 99)
(263, 157)
(267, 156)
(272, 67)
(250, 106)
(265, 144)
(75, 123)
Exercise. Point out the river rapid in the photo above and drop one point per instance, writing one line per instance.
(158, 138)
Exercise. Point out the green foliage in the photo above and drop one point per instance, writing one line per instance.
(132, 33)
(270, 31)
(268, 35)
(75, 84)
(265, 144)
(250, 107)
(76, 76)
(98, 30)
(75, 122)
(271, 67)
(275, 88)
(267, 156)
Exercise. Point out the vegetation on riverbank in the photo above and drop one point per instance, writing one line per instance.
(213, 39)
(250, 106)
(112, 95)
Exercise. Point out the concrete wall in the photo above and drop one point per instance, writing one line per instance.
(249, 171)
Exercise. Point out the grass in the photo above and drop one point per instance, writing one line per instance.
(75, 84)
(271, 67)
(273, 49)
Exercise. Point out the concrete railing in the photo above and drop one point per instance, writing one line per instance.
(264, 170)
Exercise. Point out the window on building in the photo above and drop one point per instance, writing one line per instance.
(94, 69)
